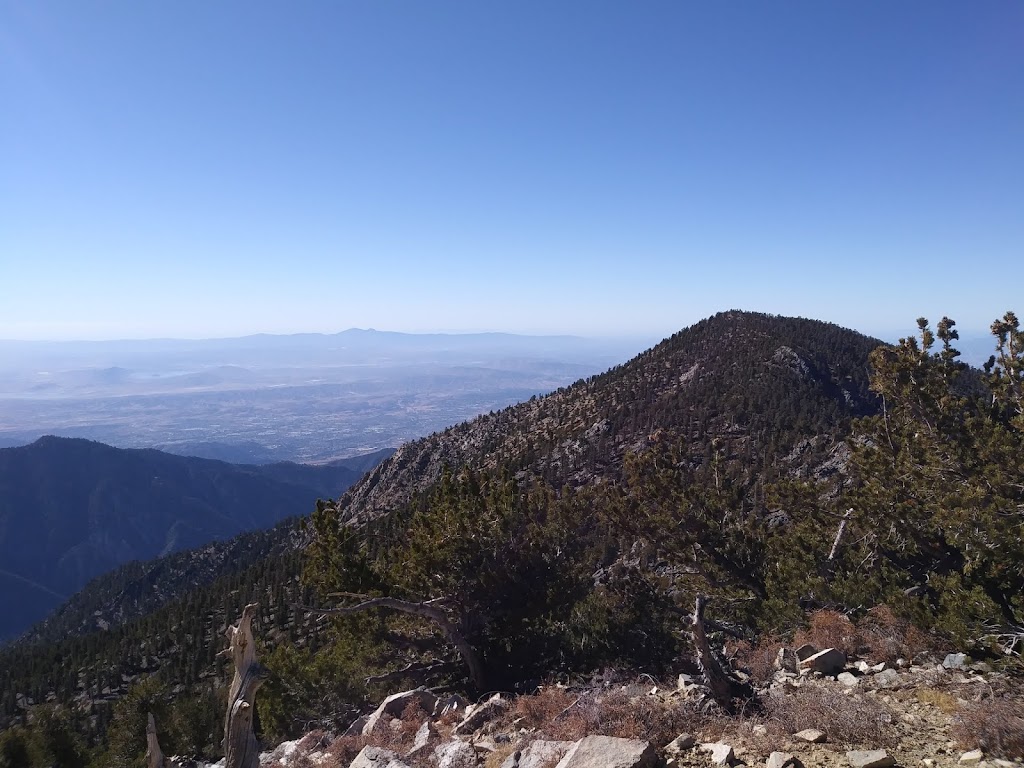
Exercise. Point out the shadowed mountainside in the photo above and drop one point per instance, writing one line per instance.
(73, 509)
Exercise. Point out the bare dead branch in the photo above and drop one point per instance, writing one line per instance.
(428, 609)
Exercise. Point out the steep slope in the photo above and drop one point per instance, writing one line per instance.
(764, 385)
(73, 509)
(141, 587)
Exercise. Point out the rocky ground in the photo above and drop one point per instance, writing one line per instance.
(814, 710)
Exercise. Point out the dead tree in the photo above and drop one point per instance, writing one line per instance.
(725, 690)
(240, 748)
(428, 609)
(154, 755)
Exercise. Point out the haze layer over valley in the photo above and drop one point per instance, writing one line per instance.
(263, 398)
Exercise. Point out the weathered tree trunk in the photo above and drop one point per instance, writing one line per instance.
(429, 609)
(839, 535)
(154, 755)
(240, 748)
(724, 690)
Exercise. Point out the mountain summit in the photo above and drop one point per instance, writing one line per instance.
(758, 383)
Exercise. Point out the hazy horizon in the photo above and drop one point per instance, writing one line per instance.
(890, 334)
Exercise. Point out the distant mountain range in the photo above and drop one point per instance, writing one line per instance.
(72, 509)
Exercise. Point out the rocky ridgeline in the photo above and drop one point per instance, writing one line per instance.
(817, 709)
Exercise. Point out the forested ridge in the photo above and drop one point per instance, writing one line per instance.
(771, 465)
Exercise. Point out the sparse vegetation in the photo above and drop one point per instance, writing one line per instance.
(994, 724)
(845, 719)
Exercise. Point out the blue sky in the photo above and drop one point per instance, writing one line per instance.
(210, 169)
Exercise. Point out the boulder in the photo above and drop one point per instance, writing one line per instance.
(609, 752)
(786, 660)
(395, 704)
(974, 756)
(422, 739)
(283, 754)
(850, 681)
(721, 754)
(782, 760)
(455, 754)
(955, 661)
(376, 757)
(805, 651)
(680, 743)
(476, 717)
(811, 736)
(538, 754)
(828, 662)
(872, 758)
(357, 726)
(887, 678)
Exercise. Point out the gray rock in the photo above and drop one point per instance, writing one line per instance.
(811, 736)
(357, 726)
(873, 758)
(786, 660)
(721, 754)
(375, 757)
(539, 754)
(955, 661)
(828, 662)
(395, 704)
(476, 717)
(782, 760)
(455, 754)
(974, 756)
(887, 678)
(805, 651)
(850, 681)
(609, 752)
(422, 739)
(680, 743)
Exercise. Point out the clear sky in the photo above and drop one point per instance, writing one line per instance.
(221, 168)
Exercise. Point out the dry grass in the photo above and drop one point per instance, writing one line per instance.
(830, 629)
(557, 714)
(343, 750)
(879, 636)
(844, 718)
(994, 725)
(885, 637)
(498, 756)
(758, 660)
(941, 700)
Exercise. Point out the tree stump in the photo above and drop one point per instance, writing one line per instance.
(240, 748)
(724, 690)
